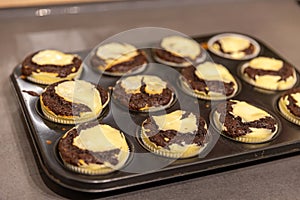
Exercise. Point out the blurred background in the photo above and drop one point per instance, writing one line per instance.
(28, 3)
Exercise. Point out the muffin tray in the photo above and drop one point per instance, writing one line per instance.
(144, 167)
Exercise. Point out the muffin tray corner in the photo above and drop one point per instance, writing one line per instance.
(44, 134)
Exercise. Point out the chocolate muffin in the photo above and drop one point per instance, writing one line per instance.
(234, 46)
(70, 102)
(180, 134)
(244, 122)
(143, 93)
(289, 105)
(117, 59)
(269, 73)
(93, 148)
(209, 81)
(178, 51)
(50, 66)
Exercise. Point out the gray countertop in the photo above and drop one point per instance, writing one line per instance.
(276, 22)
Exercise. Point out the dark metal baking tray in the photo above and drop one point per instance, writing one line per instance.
(44, 134)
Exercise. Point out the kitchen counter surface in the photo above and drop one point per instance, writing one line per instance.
(77, 28)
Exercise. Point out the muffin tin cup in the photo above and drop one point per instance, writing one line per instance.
(191, 150)
(201, 59)
(131, 72)
(267, 87)
(186, 88)
(102, 170)
(167, 153)
(48, 114)
(150, 109)
(69, 77)
(136, 70)
(58, 119)
(215, 38)
(140, 169)
(286, 114)
(214, 119)
(80, 170)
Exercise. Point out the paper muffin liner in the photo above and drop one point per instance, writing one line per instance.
(106, 102)
(69, 119)
(98, 169)
(244, 139)
(254, 140)
(191, 150)
(286, 113)
(179, 65)
(102, 170)
(186, 88)
(71, 76)
(269, 87)
(64, 120)
(215, 38)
